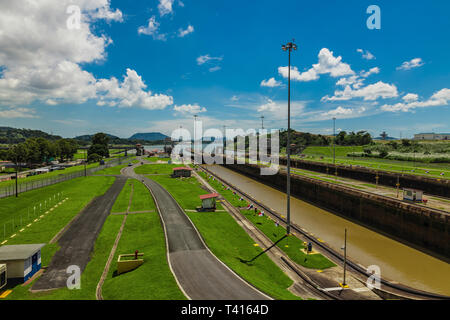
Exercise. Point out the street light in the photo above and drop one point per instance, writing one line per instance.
(334, 141)
(289, 47)
(262, 122)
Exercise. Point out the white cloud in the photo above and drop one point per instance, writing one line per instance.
(152, 30)
(270, 83)
(18, 113)
(207, 58)
(414, 63)
(370, 92)
(338, 111)
(130, 93)
(440, 98)
(189, 108)
(374, 70)
(165, 7)
(214, 69)
(410, 97)
(41, 58)
(328, 64)
(277, 110)
(366, 54)
(182, 33)
(234, 98)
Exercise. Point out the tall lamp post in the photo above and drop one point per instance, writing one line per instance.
(334, 141)
(262, 122)
(289, 47)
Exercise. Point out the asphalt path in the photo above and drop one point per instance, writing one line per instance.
(78, 241)
(200, 274)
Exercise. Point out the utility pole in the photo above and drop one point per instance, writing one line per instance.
(334, 141)
(262, 122)
(85, 159)
(17, 178)
(289, 47)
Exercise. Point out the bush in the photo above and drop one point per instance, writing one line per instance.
(93, 157)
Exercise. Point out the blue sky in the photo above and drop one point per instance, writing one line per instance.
(142, 66)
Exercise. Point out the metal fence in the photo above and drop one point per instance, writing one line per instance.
(25, 186)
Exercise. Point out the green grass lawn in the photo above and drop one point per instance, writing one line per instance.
(267, 226)
(16, 213)
(112, 170)
(142, 199)
(48, 175)
(228, 241)
(90, 276)
(408, 167)
(153, 280)
(155, 159)
(159, 168)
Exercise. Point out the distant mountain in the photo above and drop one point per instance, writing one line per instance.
(88, 137)
(13, 135)
(149, 136)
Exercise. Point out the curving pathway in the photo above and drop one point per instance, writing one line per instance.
(199, 273)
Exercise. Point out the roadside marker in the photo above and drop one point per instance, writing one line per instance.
(4, 242)
(320, 271)
(13, 235)
(21, 229)
(28, 225)
(256, 245)
(35, 220)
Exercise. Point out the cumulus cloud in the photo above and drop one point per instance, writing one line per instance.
(189, 108)
(328, 64)
(152, 29)
(366, 54)
(41, 58)
(341, 112)
(410, 97)
(414, 63)
(182, 33)
(18, 113)
(278, 109)
(165, 7)
(130, 92)
(440, 98)
(270, 83)
(370, 92)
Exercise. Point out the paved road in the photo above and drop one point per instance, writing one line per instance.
(78, 240)
(200, 274)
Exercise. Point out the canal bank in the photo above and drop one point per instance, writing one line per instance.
(396, 261)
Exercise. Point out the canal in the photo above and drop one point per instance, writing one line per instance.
(397, 262)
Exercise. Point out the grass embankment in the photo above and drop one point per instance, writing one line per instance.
(156, 159)
(90, 276)
(156, 168)
(80, 192)
(292, 245)
(153, 280)
(228, 241)
(48, 175)
(141, 201)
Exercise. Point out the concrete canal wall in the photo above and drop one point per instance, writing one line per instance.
(439, 187)
(424, 228)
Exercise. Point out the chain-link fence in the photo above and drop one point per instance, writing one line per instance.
(25, 186)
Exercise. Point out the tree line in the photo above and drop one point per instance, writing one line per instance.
(35, 151)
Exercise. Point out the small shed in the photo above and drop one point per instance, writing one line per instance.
(412, 194)
(2, 275)
(181, 172)
(209, 201)
(22, 260)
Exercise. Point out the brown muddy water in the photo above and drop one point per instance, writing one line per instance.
(398, 262)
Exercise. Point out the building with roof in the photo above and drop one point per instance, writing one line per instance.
(208, 201)
(181, 172)
(2, 275)
(22, 261)
(432, 136)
